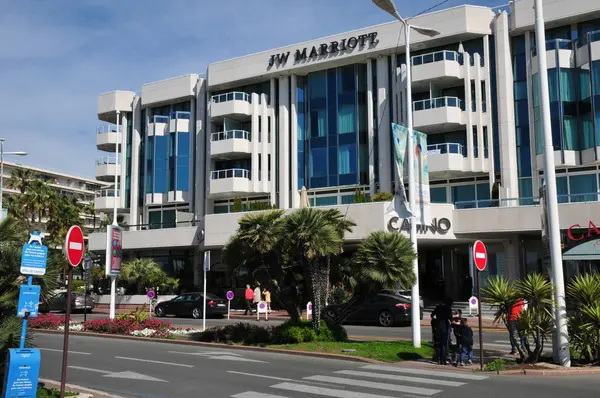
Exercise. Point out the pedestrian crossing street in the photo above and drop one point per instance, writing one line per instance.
(370, 381)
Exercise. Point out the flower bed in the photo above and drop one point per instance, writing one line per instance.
(132, 327)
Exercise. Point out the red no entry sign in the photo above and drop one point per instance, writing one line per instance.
(480, 255)
(74, 246)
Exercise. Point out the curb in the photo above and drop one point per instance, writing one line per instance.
(220, 345)
(80, 388)
(549, 372)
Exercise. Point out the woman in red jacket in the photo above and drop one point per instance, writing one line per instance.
(249, 295)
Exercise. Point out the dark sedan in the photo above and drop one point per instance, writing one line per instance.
(383, 310)
(191, 304)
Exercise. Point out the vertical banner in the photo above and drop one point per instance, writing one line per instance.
(113, 252)
(421, 177)
(546, 262)
(400, 202)
(421, 167)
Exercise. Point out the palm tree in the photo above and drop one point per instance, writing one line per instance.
(21, 179)
(382, 261)
(38, 196)
(145, 272)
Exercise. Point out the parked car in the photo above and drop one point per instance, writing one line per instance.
(406, 294)
(191, 304)
(58, 302)
(384, 310)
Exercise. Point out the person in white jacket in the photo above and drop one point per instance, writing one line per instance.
(257, 296)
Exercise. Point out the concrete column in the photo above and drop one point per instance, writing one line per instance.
(490, 109)
(534, 169)
(394, 85)
(123, 159)
(274, 172)
(384, 126)
(265, 149)
(294, 193)
(479, 114)
(202, 151)
(506, 111)
(136, 169)
(284, 142)
(208, 203)
(254, 144)
(370, 129)
(469, 124)
(512, 258)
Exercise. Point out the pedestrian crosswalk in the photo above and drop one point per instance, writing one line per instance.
(370, 381)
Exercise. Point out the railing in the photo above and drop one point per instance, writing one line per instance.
(234, 95)
(441, 102)
(160, 119)
(436, 57)
(449, 147)
(107, 193)
(231, 134)
(526, 201)
(554, 44)
(589, 37)
(106, 160)
(180, 115)
(157, 225)
(107, 129)
(229, 173)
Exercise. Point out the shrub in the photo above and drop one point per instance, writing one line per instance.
(124, 326)
(139, 314)
(290, 333)
(496, 365)
(78, 285)
(239, 333)
(47, 321)
(383, 197)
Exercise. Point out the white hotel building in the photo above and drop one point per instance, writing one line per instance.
(318, 114)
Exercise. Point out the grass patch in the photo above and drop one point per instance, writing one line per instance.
(43, 392)
(386, 351)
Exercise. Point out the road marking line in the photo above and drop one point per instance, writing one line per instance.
(203, 353)
(89, 369)
(402, 378)
(328, 392)
(374, 385)
(235, 358)
(159, 362)
(257, 375)
(70, 352)
(252, 394)
(425, 372)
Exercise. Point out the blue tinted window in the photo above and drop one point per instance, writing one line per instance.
(347, 199)
(438, 195)
(326, 201)
(583, 187)
(347, 158)
(161, 163)
(463, 193)
(562, 189)
(318, 162)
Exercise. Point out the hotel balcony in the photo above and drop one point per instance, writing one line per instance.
(106, 168)
(586, 45)
(106, 138)
(158, 125)
(559, 52)
(113, 101)
(234, 105)
(449, 160)
(231, 144)
(438, 114)
(231, 183)
(444, 68)
(105, 200)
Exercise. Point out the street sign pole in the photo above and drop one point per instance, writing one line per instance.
(229, 298)
(63, 376)
(206, 269)
(480, 260)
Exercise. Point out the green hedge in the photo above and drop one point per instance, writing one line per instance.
(286, 333)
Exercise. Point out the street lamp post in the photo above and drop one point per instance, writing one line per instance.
(113, 278)
(2, 153)
(562, 334)
(389, 7)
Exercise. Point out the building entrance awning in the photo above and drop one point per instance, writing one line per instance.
(589, 250)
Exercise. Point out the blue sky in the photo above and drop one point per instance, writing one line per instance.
(57, 56)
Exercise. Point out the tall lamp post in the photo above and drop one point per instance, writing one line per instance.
(109, 257)
(389, 7)
(2, 153)
(562, 334)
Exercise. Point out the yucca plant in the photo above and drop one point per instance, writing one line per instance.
(584, 327)
(500, 294)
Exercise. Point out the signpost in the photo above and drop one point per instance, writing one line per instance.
(309, 310)
(206, 269)
(23, 364)
(229, 296)
(480, 259)
(151, 296)
(473, 305)
(113, 261)
(87, 267)
(74, 249)
(261, 308)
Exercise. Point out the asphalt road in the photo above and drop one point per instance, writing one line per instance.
(167, 370)
(492, 338)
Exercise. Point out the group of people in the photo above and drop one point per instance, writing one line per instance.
(444, 324)
(253, 297)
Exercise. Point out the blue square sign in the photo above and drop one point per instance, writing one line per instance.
(22, 373)
(33, 259)
(29, 298)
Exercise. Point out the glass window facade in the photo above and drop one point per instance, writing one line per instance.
(332, 147)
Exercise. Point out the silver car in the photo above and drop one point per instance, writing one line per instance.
(58, 302)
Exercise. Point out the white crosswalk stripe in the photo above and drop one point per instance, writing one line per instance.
(369, 381)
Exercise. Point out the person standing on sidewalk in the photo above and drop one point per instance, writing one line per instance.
(249, 296)
(515, 313)
(465, 334)
(267, 295)
(257, 296)
(443, 318)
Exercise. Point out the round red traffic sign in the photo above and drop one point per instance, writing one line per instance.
(480, 255)
(74, 246)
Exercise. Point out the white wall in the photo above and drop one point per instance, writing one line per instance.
(169, 90)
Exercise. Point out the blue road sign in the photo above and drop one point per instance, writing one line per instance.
(29, 298)
(151, 294)
(33, 259)
(22, 373)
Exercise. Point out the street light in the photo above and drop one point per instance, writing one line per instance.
(560, 313)
(113, 278)
(2, 153)
(389, 7)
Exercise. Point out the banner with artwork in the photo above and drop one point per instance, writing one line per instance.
(400, 202)
(421, 177)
